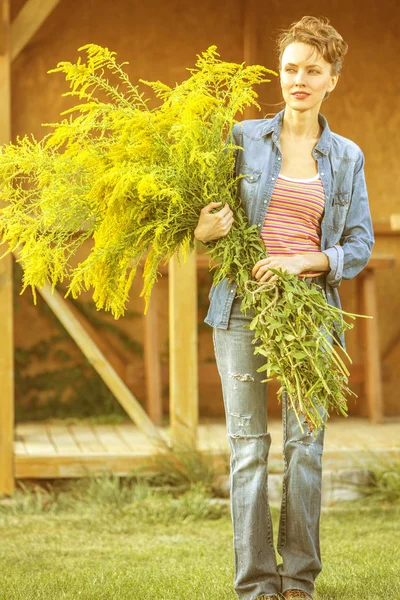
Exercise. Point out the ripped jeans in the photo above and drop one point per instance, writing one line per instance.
(256, 569)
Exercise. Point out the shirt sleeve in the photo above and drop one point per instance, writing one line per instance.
(351, 255)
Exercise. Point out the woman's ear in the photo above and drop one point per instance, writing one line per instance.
(332, 83)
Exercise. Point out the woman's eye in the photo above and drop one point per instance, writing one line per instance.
(310, 71)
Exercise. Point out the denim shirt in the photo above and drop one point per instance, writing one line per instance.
(346, 229)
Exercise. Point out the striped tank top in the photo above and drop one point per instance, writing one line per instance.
(293, 221)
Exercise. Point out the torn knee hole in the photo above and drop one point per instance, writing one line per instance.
(247, 436)
(242, 419)
(242, 377)
(240, 415)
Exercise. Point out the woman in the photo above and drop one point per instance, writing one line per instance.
(305, 187)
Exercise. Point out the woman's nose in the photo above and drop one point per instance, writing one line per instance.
(299, 77)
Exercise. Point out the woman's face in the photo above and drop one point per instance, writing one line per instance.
(305, 77)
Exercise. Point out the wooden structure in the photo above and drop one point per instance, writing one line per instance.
(58, 452)
(51, 450)
(183, 319)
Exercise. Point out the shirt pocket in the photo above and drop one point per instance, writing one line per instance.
(249, 182)
(340, 205)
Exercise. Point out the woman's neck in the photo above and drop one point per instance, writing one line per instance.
(300, 125)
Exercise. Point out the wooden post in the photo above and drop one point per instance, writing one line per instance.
(183, 379)
(152, 361)
(6, 296)
(372, 359)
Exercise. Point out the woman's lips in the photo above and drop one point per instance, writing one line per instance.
(300, 95)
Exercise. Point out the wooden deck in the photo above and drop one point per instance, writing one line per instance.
(52, 449)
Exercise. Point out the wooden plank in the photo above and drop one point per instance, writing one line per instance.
(127, 435)
(86, 439)
(36, 439)
(50, 436)
(348, 441)
(44, 467)
(110, 377)
(6, 294)
(31, 16)
(183, 378)
(62, 439)
(110, 440)
(152, 361)
(134, 438)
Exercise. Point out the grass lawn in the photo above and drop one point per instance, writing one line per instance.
(100, 541)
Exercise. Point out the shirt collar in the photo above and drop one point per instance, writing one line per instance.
(324, 143)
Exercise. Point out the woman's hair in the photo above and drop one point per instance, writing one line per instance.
(316, 32)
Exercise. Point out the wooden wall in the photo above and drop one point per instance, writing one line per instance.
(160, 39)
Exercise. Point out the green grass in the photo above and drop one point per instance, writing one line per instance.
(104, 538)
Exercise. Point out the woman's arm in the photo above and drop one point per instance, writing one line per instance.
(294, 264)
(350, 257)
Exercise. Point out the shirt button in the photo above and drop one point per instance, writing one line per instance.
(272, 178)
(265, 202)
(322, 173)
(279, 158)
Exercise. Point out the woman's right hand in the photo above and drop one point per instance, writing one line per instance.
(212, 226)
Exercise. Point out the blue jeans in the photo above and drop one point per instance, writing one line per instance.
(256, 569)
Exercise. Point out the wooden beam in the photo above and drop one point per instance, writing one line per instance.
(388, 226)
(6, 294)
(381, 261)
(117, 363)
(183, 379)
(110, 377)
(31, 16)
(82, 465)
(391, 347)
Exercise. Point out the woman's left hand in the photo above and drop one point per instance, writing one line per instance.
(291, 264)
